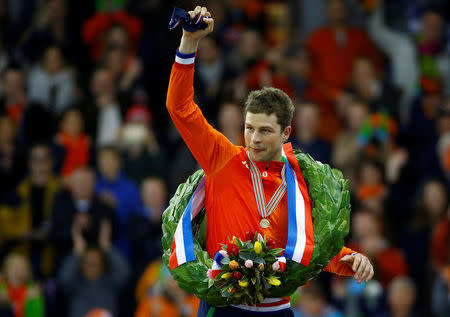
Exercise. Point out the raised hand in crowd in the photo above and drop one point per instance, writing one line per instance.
(79, 242)
(104, 237)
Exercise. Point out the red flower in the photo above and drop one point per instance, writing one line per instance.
(236, 275)
(270, 244)
(232, 249)
(249, 235)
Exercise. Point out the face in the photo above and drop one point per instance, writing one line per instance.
(40, 161)
(230, 117)
(115, 61)
(401, 296)
(208, 52)
(102, 83)
(109, 164)
(92, 265)
(250, 44)
(13, 82)
(370, 174)
(435, 198)
(72, 123)
(307, 118)
(154, 194)
(17, 270)
(356, 115)
(312, 305)
(432, 27)
(363, 71)
(82, 184)
(117, 37)
(7, 130)
(337, 11)
(53, 60)
(263, 136)
(364, 224)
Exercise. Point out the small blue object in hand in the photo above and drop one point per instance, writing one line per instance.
(180, 16)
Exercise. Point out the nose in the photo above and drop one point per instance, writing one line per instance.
(256, 138)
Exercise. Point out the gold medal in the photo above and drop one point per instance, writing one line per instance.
(264, 223)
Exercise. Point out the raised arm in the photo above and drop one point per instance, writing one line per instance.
(210, 148)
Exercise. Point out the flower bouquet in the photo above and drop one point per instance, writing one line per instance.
(246, 270)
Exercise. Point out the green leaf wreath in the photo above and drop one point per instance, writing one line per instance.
(330, 199)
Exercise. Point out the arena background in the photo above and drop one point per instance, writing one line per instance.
(89, 157)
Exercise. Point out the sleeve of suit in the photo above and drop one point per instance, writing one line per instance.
(211, 149)
(340, 268)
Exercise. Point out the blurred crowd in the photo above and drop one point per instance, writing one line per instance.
(89, 157)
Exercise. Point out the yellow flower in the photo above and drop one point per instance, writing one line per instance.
(226, 275)
(274, 281)
(233, 265)
(243, 283)
(261, 267)
(257, 247)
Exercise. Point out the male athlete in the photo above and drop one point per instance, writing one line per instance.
(239, 181)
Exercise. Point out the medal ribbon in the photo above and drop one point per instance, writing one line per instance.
(263, 209)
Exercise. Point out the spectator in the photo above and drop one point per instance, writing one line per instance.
(369, 87)
(115, 190)
(35, 124)
(26, 216)
(421, 61)
(230, 121)
(306, 139)
(298, 69)
(80, 205)
(144, 227)
(112, 29)
(364, 224)
(431, 206)
(143, 156)
(439, 243)
(389, 261)
(333, 50)
(102, 110)
(92, 277)
(401, 298)
(347, 151)
(51, 27)
(211, 73)
(19, 294)
(159, 296)
(443, 143)
(440, 305)
(72, 147)
(51, 83)
(126, 70)
(371, 185)
(312, 302)
(12, 158)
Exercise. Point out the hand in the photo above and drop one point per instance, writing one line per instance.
(104, 236)
(79, 243)
(108, 199)
(361, 265)
(189, 40)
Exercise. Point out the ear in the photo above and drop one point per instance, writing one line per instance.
(286, 133)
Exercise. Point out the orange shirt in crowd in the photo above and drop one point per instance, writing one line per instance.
(229, 199)
(332, 56)
(77, 152)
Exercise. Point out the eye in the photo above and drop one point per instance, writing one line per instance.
(249, 128)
